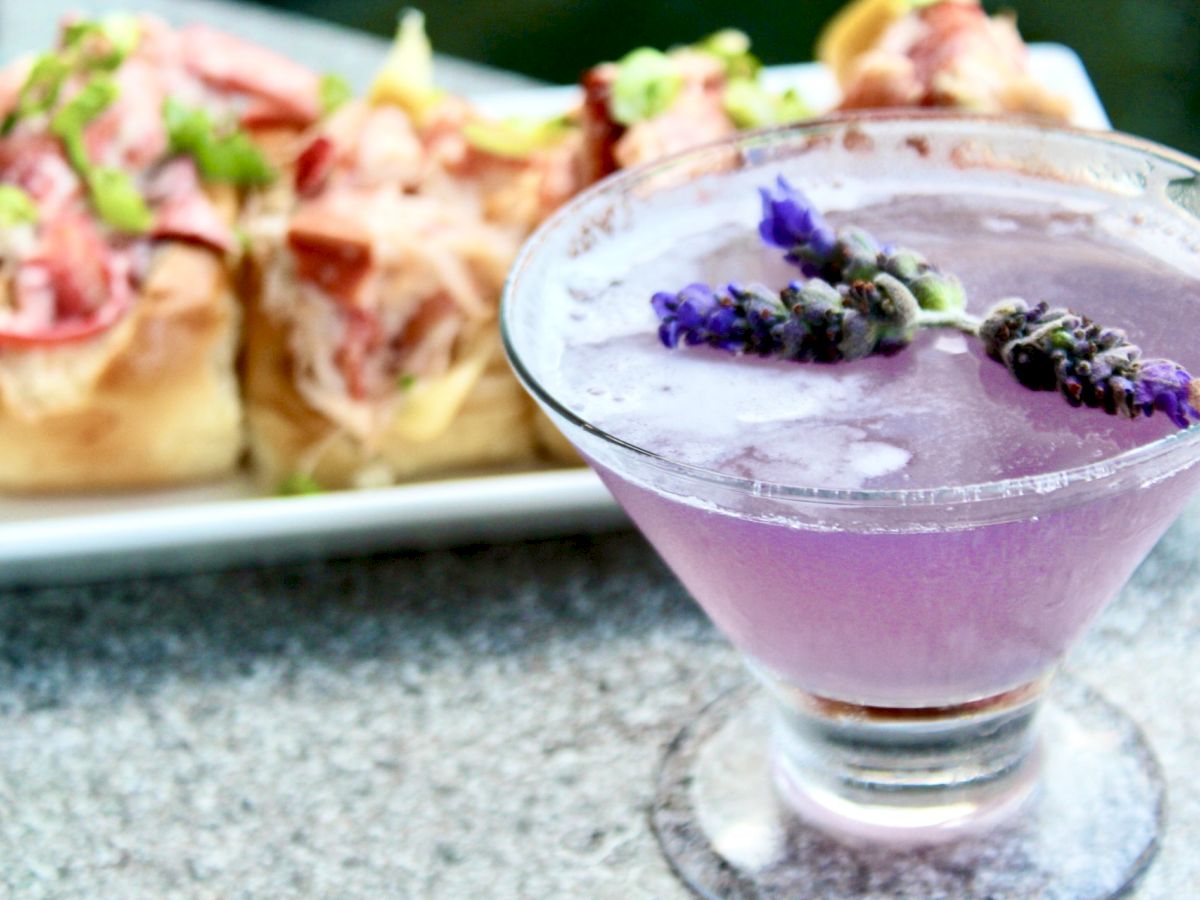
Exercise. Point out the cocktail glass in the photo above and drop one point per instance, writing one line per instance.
(904, 738)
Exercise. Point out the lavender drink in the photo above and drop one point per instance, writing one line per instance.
(890, 614)
(902, 546)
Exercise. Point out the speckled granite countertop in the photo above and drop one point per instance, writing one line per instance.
(473, 722)
(480, 722)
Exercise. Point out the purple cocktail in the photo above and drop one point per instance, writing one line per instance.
(903, 547)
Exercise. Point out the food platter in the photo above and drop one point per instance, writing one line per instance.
(78, 538)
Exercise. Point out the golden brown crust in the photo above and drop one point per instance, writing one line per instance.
(165, 408)
(492, 430)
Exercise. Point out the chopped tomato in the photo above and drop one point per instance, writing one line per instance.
(77, 260)
(183, 211)
(75, 288)
(331, 251)
(361, 342)
(313, 166)
(35, 163)
(65, 332)
(193, 218)
(427, 342)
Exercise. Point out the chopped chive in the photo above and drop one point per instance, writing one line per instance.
(298, 484)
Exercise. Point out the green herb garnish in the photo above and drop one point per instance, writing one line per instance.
(111, 191)
(407, 381)
(88, 46)
(102, 43)
(16, 207)
(117, 200)
(731, 47)
(646, 85)
(73, 117)
(750, 105)
(298, 484)
(221, 154)
(518, 137)
(335, 91)
(40, 90)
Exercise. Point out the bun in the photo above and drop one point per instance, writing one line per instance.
(490, 419)
(163, 406)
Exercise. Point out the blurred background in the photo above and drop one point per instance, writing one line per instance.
(1143, 55)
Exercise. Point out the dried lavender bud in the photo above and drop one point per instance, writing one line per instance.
(791, 221)
(890, 307)
(814, 316)
(809, 321)
(855, 257)
(1055, 349)
(738, 320)
(938, 292)
(907, 265)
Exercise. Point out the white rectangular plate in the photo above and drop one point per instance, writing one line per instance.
(59, 539)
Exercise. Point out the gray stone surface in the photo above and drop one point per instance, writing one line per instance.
(481, 722)
(478, 722)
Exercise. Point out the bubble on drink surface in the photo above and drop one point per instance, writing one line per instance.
(841, 456)
(874, 459)
(737, 422)
(952, 343)
(1000, 224)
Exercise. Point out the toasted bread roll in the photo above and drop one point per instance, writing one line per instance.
(372, 349)
(125, 152)
(164, 405)
(491, 421)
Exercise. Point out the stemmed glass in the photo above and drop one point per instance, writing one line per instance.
(906, 736)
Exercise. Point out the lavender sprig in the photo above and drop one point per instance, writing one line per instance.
(810, 321)
(791, 222)
(740, 320)
(1048, 349)
(862, 299)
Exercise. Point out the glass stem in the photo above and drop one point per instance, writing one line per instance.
(902, 774)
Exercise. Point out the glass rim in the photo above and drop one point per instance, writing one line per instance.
(1041, 484)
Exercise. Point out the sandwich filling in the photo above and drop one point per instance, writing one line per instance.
(126, 135)
(384, 257)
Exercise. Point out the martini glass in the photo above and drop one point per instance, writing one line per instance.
(904, 734)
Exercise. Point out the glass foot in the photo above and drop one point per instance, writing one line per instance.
(1088, 830)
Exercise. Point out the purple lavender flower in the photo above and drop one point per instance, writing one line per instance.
(740, 320)
(810, 321)
(1167, 387)
(791, 222)
(684, 315)
(1055, 349)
